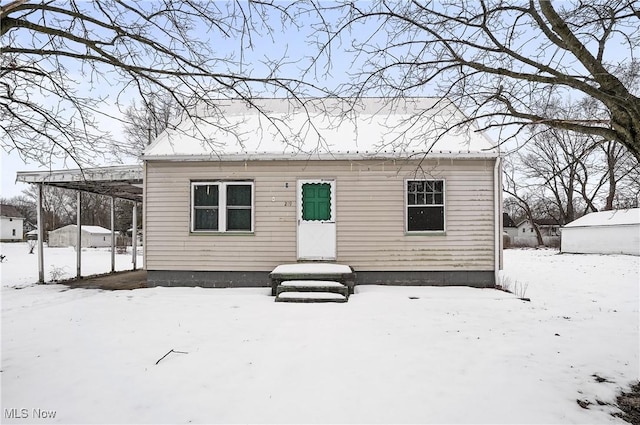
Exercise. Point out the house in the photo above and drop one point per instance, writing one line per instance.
(235, 193)
(604, 232)
(547, 227)
(92, 236)
(526, 234)
(11, 224)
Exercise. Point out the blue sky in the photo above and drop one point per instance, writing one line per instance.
(290, 43)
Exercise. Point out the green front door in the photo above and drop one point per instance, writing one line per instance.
(316, 219)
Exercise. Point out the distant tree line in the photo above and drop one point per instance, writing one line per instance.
(563, 175)
(59, 208)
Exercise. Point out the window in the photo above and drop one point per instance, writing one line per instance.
(222, 207)
(13, 232)
(425, 205)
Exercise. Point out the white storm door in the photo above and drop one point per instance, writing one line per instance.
(316, 202)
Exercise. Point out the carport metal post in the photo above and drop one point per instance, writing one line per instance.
(134, 235)
(79, 239)
(40, 237)
(113, 234)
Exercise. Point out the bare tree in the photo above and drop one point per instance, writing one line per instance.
(145, 121)
(622, 176)
(25, 205)
(58, 206)
(96, 210)
(503, 61)
(65, 65)
(564, 175)
(558, 164)
(521, 196)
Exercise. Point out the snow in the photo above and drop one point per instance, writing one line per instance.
(90, 229)
(389, 355)
(312, 295)
(311, 268)
(323, 129)
(608, 218)
(21, 268)
(312, 283)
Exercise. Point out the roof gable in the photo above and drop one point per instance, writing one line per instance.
(11, 211)
(320, 129)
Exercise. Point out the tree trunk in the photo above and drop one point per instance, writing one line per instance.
(611, 163)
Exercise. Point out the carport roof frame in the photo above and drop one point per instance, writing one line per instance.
(120, 181)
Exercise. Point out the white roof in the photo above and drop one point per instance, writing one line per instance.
(90, 229)
(608, 218)
(95, 229)
(321, 129)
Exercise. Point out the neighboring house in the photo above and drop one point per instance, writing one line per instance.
(32, 235)
(357, 187)
(526, 234)
(91, 236)
(11, 224)
(604, 232)
(29, 226)
(547, 227)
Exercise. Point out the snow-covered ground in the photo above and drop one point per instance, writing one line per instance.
(21, 268)
(389, 355)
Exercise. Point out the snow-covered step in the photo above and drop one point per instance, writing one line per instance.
(303, 269)
(312, 283)
(312, 286)
(310, 297)
(312, 271)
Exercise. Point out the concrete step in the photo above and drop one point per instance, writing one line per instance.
(340, 273)
(312, 286)
(310, 297)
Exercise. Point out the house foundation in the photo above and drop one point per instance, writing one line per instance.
(259, 279)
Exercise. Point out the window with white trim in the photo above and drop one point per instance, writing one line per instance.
(425, 205)
(225, 206)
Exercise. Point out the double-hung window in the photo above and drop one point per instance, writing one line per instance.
(425, 205)
(225, 206)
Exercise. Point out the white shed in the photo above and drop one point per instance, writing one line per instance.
(604, 232)
(92, 236)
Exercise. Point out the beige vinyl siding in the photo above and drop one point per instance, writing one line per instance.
(370, 216)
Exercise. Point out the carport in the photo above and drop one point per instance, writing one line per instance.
(117, 182)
